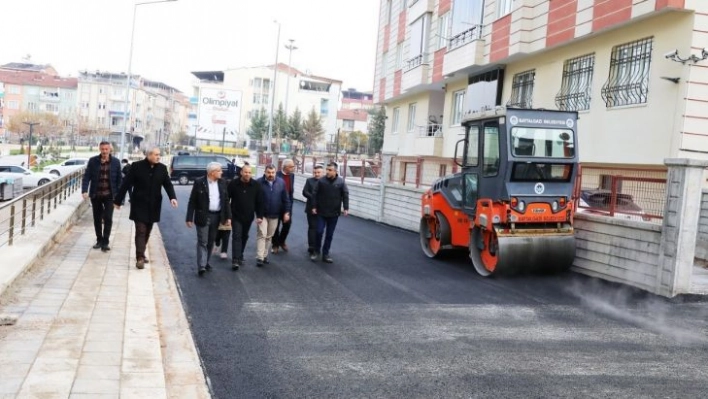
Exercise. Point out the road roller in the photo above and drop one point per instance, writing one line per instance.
(511, 204)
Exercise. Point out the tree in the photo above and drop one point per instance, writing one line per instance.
(295, 126)
(181, 138)
(356, 141)
(280, 123)
(377, 126)
(48, 123)
(312, 130)
(259, 125)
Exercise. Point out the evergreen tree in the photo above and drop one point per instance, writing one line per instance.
(295, 126)
(312, 130)
(377, 126)
(280, 123)
(259, 125)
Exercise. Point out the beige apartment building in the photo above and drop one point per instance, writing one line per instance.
(635, 70)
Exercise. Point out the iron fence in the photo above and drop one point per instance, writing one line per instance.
(22, 213)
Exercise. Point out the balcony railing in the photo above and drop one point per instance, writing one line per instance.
(471, 34)
(415, 62)
(430, 130)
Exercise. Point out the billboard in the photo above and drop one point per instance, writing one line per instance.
(219, 114)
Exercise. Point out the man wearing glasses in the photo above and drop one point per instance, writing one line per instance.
(330, 199)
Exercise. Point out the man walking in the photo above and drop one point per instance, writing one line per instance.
(283, 228)
(246, 196)
(276, 204)
(208, 207)
(147, 178)
(308, 192)
(330, 197)
(101, 182)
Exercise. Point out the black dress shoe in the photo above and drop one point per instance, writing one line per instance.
(105, 248)
(259, 262)
(208, 267)
(201, 271)
(235, 264)
(327, 259)
(146, 260)
(97, 245)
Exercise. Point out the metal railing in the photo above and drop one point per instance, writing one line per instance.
(430, 130)
(22, 213)
(471, 34)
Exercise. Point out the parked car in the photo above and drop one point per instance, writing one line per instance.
(29, 179)
(186, 168)
(66, 167)
(598, 202)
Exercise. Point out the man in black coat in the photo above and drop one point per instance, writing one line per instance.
(287, 173)
(147, 178)
(208, 207)
(329, 198)
(308, 192)
(246, 197)
(101, 182)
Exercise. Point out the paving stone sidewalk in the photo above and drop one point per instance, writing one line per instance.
(89, 325)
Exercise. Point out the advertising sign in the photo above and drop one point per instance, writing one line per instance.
(219, 114)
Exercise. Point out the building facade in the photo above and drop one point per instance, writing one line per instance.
(617, 62)
(293, 89)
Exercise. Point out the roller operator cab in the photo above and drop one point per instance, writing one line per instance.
(512, 203)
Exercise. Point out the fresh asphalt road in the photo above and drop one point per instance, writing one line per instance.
(385, 321)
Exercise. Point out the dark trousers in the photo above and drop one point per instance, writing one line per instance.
(222, 240)
(281, 232)
(329, 223)
(102, 218)
(205, 239)
(142, 235)
(239, 231)
(312, 233)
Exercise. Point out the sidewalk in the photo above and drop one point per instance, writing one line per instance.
(89, 325)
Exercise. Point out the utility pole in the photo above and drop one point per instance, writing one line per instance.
(336, 150)
(290, 47)
(29, 144)
(223, 138)
(272, 98)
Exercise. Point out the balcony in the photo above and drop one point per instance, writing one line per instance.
(415, 73)
(429, 140)
(464, 50)
(419, 7)
(49, 97)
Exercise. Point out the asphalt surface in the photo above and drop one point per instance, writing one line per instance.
(385, 321)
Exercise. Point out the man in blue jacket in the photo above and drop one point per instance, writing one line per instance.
(276, 204)
(101, 182)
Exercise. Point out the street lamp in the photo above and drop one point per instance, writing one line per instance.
(127, 79)
(272, 97)
(29, 143)
(290, 47)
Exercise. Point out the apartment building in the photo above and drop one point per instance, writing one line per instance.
(293, 89)
(157, 110)
(353, 115)
(34, 90)
(635, 70)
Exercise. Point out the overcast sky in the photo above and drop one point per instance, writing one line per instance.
(335, 38)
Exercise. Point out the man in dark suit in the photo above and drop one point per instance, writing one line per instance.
(101, 182)
(283, 228)
(208, 207)
(147, 178)
(308, 192)
(246, 198)
(330, 199)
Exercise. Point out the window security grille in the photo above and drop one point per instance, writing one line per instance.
(628, 81)
(522, 90)
(576, 87)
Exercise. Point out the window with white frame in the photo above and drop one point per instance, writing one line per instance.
(522, 90)
(12, 89)
(384, 61)
(628, 80)
(389, 10)
(418, 40)
(31, 106)
(394, 122)
(256, 83)
(411, 117)
(13, 104)
(576, 86)
(348, 125)
(444, 29)
(256, 98)
(399, 57)
(458, 107)
(504, 7)
(466, 21)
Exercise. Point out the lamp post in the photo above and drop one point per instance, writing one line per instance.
(127, 79)
(272, 97)
(29, 143)
(290, 47)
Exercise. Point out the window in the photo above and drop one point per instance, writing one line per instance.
(504, 7)
(31, 106)
(575, 89)
(522, 90)
(411, 117)
(384, 60)
(491, 150)
(628, 81)
(394, 123)
(389, 10)
(466, 21)
(443, 29)
(266, 98)
(417, 46)
(540, 142)
(472, 157)
(458, 107)
(399, 57)
(256, 98)
(324, 106)
(12, 89)
(101, 105)
(348, 124)
(52, 108)
(13, 104)
(266, 84)
(256, 83)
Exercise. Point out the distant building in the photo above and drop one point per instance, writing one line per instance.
(301, 90)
